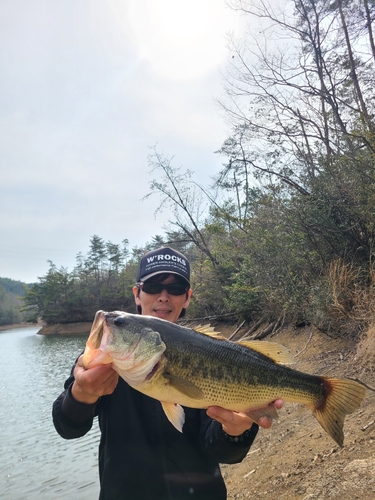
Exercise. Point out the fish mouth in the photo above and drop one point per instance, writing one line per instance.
(97, 329)
(98, 339)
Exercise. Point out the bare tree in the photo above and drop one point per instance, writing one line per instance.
(308, 94)
(184, 198)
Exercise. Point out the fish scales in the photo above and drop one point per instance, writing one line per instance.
(183, 367)
(234, 372)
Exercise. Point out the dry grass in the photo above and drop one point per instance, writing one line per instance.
(366, 351)
(352, 295)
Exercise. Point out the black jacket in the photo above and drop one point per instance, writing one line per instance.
(142, 456)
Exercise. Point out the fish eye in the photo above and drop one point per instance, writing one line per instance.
(119, 321)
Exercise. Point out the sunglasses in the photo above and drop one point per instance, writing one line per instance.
(172, 289)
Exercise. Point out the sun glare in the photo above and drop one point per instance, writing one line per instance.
(180, 39)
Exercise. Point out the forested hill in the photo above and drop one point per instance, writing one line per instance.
(11, 303)
(13, 286)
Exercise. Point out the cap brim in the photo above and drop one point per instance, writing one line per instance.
(148, 276)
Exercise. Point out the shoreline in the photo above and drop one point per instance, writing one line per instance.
(18, 325)
(57, 329)
(83, 328)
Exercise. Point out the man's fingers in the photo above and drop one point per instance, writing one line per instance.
(221, 414)
(264, 422)
(97, 381)
(278, 404)
(235, 423)
(102, 372)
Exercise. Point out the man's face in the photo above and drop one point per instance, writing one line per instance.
(162, 305)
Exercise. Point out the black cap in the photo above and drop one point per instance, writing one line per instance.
(163, 260)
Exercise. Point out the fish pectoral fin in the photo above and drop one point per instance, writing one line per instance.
(175, 414)
(276, 352)
(184, 386)
(267, 411)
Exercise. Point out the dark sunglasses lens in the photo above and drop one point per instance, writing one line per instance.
(176, 289)
(152, 288)
(172, 289)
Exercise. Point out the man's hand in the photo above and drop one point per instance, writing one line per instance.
(89, 385)
(235, 423)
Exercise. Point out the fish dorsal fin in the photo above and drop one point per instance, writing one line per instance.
(278, 353)
(184, 386)
(208, 330)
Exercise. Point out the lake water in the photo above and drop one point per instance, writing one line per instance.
(35, 462)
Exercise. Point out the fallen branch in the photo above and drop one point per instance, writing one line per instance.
(368, 425)
(237, 330)
(246, 335)
(248, 474)
(254, 451)
(307, 343)
(266, 331)
(271, 329)
(279, 324)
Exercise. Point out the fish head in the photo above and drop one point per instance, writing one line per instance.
(121, 339)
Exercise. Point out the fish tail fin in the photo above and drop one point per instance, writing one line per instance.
(342, 397)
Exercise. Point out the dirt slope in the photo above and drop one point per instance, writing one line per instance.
(296, 459)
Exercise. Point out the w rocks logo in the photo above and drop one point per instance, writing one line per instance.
(167, 257)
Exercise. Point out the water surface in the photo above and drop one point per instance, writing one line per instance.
(35, 462)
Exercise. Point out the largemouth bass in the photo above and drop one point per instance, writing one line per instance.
(183, 367)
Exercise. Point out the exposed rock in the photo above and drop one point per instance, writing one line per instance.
(361, 467)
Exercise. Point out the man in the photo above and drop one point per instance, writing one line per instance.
(141, 455)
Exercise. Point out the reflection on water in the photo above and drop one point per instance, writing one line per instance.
(35, 462)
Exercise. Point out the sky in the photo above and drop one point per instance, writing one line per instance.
(87, 87)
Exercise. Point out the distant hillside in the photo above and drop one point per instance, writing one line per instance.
(11, 292)
(13, 286)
